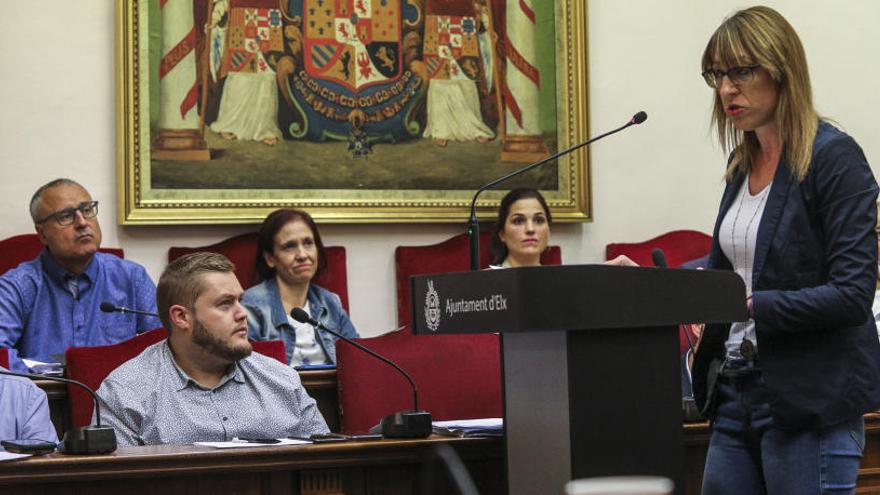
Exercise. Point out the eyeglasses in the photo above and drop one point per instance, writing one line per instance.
(64, 218)
(737, 75)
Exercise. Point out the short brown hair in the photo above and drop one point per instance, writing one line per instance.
(181, 282)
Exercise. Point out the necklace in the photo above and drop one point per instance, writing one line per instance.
(745, 259)
(764, 194)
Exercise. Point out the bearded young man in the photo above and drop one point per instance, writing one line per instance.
(204, 383)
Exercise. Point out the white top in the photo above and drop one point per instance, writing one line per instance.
(307, 350)
(737, 236)
(504, 264)
(876, 310)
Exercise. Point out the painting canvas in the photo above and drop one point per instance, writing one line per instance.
(356, 110)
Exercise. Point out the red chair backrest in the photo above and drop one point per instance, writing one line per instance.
(271, 348)
(90, 365)
(25, 247)
(680, 246)
(242, 251)
(458, 377)
(4, 357)
(451, 255)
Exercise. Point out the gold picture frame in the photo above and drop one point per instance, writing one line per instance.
(142, 202)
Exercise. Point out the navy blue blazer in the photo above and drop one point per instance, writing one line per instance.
(814, 278)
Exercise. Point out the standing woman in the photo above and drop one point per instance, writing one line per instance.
(289, 255)
(797, 224)
(522, 230)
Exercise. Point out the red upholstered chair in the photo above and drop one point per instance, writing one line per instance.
(448, 256)
(25, 247)
(680, 246)
(458, 377)
(271, 348)
(242, 251)
(4, 357)
(91, 365)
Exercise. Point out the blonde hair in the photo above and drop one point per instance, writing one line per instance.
(760, 35)
(181, 282)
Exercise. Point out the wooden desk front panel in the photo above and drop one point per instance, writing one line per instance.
(374, 467)
(322, 386)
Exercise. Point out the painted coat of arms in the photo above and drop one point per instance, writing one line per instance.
(350, 82)
(256, 98)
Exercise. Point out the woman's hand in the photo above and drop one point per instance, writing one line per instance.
(621, 260)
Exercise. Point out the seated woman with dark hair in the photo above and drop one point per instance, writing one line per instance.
(289, 255)
(522, 231)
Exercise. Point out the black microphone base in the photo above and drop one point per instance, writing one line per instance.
(88, 440)
(407, 424)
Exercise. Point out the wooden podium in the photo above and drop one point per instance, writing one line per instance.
(592, 378)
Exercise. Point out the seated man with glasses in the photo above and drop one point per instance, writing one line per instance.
(53, 301)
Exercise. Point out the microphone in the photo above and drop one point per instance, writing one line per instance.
(639, 118)
(688, 405)
(474, 226)
(82, 440)
(404, 424)
(659, 257)
(112, 308)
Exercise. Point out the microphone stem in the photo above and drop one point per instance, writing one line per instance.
(62, 380)
(474, 238)
(137, 312)
(376, 355)
(473, 224)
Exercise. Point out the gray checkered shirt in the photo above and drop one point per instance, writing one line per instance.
(150, 400)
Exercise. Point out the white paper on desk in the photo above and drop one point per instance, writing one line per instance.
(471, 423)
(483, 427)
(9, 456)
(43, 368)
(239, 444)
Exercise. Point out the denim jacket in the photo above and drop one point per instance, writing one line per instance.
(267, 319)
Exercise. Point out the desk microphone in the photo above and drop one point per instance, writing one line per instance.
(659, 258)
(404, 424)
(474, 225)
(688, 406)
(112, 308)
(82, 439)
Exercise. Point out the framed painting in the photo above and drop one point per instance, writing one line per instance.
(354, 110)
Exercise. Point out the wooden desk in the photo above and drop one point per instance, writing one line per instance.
(377, 467)
(322, 386)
